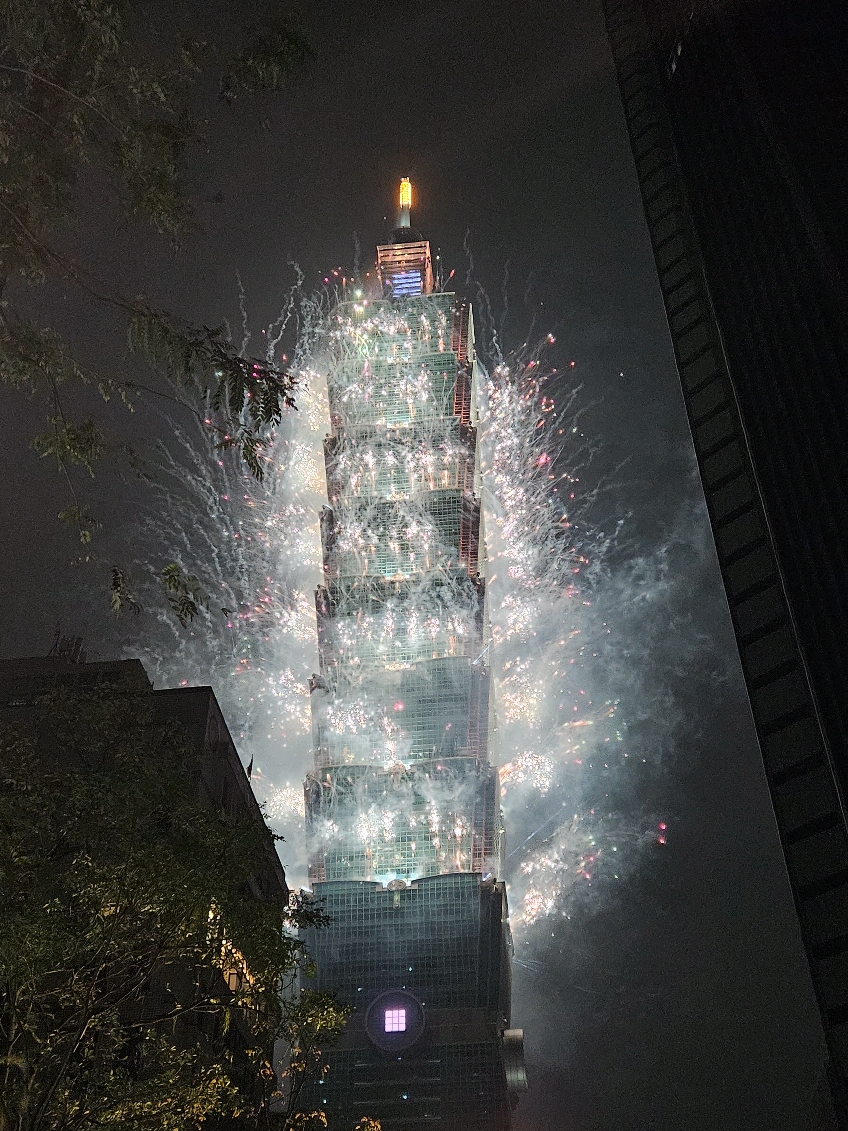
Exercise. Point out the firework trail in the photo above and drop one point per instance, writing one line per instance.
(256, 548)
(559, 739)
(552, 603)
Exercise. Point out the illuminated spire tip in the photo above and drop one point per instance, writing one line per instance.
(404, 203)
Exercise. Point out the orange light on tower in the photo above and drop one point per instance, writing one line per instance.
(404, 266)
(404, 203)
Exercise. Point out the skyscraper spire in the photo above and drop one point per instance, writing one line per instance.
(404, 203)
(404, 265)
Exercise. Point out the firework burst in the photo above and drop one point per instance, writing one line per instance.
(555, 697)
(257, 546)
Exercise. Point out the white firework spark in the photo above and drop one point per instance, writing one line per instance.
(554, 699)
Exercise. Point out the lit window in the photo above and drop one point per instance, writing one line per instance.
(395, 1020)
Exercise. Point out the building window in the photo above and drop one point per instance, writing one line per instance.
(395, 1021)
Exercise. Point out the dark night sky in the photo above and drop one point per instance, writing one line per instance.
(681, 1001)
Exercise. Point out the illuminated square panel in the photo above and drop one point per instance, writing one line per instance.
(406, 283)
(395, 1021)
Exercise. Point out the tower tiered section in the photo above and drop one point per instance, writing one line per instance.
(402, 785)
(403, 816)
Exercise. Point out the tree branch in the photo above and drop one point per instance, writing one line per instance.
(62, 90)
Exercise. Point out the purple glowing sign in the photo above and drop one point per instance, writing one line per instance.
(395, 1021)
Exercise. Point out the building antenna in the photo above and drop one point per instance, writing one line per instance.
(404, 203)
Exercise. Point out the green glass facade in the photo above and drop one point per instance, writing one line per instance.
(445, 941)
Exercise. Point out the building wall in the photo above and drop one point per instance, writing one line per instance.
(402, 785)
(221, 784)
(739, 197)
(779, 298)
(445, 940)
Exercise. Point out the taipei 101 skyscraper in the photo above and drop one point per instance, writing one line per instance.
(403, 817)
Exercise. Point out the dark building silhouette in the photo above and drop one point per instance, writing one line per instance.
(222, 784)
(738, 122)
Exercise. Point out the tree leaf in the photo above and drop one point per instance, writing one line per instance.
(121, 598)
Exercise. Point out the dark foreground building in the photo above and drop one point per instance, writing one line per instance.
(221, 785)
(738, 121)
(403, 813)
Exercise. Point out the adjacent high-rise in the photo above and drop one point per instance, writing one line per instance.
(403, 815)
(738, 122)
